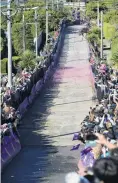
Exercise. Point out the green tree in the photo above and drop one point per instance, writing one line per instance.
(109, 31)
(115, 54)
(17, 25)
(3, 43)
(93, 36)
(111, 17)
(91, 9)
(17, 38)
(28, 60)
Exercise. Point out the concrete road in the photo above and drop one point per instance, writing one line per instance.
(49, 125)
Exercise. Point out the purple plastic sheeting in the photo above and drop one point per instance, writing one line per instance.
(33, 94)
(23, 106)
(4, 154)
(37, 88)
(33, 91)
(9, 148)
(39, 85)
(47, 74)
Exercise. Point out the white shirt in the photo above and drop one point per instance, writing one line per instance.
(109, 118)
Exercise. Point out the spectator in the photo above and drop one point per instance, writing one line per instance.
(114, 154)
(102, 140)
(105, 171)
(73, 177)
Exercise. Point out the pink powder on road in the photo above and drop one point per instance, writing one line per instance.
(80, 74)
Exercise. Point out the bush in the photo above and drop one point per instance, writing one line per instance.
(109, 30)
(28, 60)
(15, 59)
(115, 54)
(3, 65)
(93, 36)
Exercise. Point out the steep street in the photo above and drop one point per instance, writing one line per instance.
(49, 125)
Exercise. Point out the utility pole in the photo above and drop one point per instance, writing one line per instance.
(101, 34)
(57, 5)
(9, 44)
(98, 14)
(23, 33)
(46, 22)
(52, 4)
(36, 30)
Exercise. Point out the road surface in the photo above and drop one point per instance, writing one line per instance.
(49, 125)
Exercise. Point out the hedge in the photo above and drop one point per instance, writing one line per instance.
(15, 59)
(109, 30)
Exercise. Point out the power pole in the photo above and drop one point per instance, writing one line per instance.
(57, 5)
(36, 34)
(101, 34)
(46, 22)
(9, 44)
(23, 33)
(98, 14)
(52, 4)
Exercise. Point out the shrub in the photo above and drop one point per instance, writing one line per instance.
(115, 54)
(15, 59)
(109, 30)
(93, 36)
(3, 65)
(28, 60)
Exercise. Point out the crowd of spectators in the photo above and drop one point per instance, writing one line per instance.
(98, 161)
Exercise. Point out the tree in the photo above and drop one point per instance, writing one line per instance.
(93, 39)
(115, 55)
(28, 60)
(3, 43)
(91, 9)
(17, 38)
(17, 25)
(93, 36)
(114, 3)
(109, 31)
(111, 17)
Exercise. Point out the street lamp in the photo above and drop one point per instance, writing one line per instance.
(46, 22)
(98, 13)
(36, 30)
(101, 34)
(9, 44)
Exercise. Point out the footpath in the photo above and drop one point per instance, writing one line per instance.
(49, 125)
